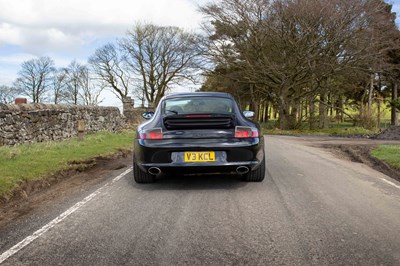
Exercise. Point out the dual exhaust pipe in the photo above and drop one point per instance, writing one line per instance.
(154, 171)
(241, 170)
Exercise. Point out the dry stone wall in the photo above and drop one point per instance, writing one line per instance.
(26, 123)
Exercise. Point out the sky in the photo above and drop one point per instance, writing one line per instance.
(68, 30)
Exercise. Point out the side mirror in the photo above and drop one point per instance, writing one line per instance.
(147, 115)
(248, 114)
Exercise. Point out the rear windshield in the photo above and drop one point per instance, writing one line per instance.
(198, 105)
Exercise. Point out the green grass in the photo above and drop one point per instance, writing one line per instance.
(345, 128)
(34, 161)
(333, 131)
(389, 154)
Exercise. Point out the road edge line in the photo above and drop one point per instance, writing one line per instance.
(29, 239)
(390, 183)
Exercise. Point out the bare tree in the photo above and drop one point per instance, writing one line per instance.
(160, 57)
(34, 78)
(111, 70)
(74, 78)
(90, 91)
(7, 94)
(59, 85)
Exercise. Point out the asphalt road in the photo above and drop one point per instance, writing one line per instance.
(311, 209)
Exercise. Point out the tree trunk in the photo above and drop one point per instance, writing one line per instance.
(395, 116)
(275, 115)
(342, 107)
(284, 113)
(293, 116)
(379, 112)
(331, 107)
(312, 112)
(264, 111)
(339, 109)
(300, 113)
(362, 114)
(305, 107)
(254, 103)
(370, 92)
(323, 115)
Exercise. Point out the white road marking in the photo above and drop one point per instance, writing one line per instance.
(390, 183)
(57, 220)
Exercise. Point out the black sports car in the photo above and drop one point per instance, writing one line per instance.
(200, 132)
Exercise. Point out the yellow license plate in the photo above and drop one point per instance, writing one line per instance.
(200, 156)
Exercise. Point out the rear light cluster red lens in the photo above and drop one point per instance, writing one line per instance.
(155, 133)
(246, 132)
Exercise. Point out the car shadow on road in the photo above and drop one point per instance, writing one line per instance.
(193, 182)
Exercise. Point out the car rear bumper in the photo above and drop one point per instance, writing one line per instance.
(246, 152)
(197, 168)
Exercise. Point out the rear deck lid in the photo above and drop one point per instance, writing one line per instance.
(199, 121)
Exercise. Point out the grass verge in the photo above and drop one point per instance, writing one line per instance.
(389, 154)
(34, 161)
(337, 131)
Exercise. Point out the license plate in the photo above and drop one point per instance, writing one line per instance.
(200, 156)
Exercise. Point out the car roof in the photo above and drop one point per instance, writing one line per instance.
(197, 94)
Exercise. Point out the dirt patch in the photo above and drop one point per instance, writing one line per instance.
(392, 133)
(362, 154)
(358, 149)
(84, 174)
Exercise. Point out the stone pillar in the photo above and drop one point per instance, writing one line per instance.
(127, 106)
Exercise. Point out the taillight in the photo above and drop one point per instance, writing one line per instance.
(155, 133)
(246, 132)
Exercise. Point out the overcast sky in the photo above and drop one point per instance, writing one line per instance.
(72, 29)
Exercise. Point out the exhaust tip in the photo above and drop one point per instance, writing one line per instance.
(241, 170)
(154, 170)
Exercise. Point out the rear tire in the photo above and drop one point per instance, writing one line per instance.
(140, 176)
(256, 175)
